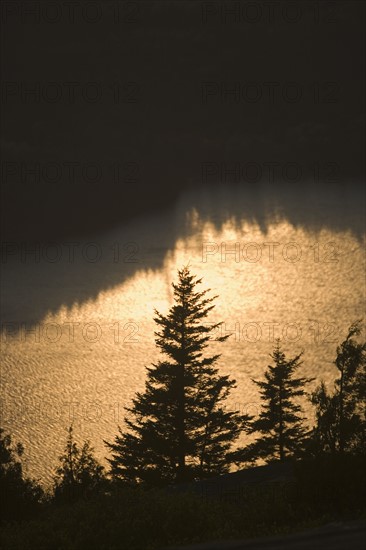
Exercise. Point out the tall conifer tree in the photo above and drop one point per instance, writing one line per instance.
(178, 429)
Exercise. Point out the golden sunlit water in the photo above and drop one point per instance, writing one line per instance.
(83, 361)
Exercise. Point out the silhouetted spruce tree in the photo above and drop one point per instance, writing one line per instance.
(341, 416)
(178, 429)
(20, 496)
(280, 423)
(80, 473)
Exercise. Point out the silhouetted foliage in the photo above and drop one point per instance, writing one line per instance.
(280, 423)
(326, 490)
(20, 496)
(79, 474)
(341, 416)
(178, 428)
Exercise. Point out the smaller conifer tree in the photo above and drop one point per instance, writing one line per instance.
(280, 422)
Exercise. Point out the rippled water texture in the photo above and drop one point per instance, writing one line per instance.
(78, 333)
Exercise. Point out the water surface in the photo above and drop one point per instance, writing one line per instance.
(78, 330)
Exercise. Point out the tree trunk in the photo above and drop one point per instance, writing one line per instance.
(181, 473)
(181, 430)
(341, 420)
(282, 452)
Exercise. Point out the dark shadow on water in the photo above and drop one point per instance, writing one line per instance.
(32, 289)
